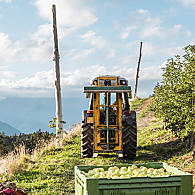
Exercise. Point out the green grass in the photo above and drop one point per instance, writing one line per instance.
(53, 173)
(137, 103)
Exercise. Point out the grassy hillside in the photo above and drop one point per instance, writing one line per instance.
(50, 170)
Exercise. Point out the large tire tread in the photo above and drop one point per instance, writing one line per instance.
(130, 141)
(86, 141)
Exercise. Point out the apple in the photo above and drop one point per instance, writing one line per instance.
(117, 171)
(123, 172)
(126, 172)
(134, 167)
(124, 169)
(111, 169)
(144, 169)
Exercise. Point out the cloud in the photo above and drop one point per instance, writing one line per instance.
(41, 84)
(41, 80)
(142, 11)
(142, 21)
(6, 1)
(188, 33)
(83, 54)
(152, 50)
(187, 3)
(44, 30)
(3, 67)
(37, 48)
(126, 32)
(127, 59)
(151, 31)
(111, 54)
(8, 74)
(74, 13)
(152, 27)
(93, 39)
(8, 49)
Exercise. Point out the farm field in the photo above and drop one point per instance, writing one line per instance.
(52, 171)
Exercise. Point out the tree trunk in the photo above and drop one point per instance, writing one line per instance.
(59, 124)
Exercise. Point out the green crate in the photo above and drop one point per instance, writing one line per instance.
(178, 184)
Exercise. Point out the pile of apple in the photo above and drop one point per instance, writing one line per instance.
(126, 172)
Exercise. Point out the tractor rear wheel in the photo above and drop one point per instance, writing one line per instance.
(86, 141)
(130, 140)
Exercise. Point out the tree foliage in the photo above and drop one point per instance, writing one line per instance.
(9, 143)
(174, 97)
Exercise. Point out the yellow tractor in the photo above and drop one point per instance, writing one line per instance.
(109, 126)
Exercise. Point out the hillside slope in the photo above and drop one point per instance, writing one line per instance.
(53, 171)
(8, 129)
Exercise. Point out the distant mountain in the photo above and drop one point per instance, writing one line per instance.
(8, 129)
(31, 114)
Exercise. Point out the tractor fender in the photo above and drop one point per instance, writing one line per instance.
(129, 119)
(84, 116)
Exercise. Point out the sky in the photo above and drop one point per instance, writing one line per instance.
(95, 37)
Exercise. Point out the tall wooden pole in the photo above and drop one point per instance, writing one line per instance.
(59, 124)
(137, 74)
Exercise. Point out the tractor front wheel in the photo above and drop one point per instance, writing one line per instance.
(86, 141)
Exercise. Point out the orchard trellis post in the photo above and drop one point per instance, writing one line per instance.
(59, 121)
(138, 69)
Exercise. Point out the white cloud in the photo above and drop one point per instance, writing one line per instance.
(152, 27)
(151, 73)
(93, 39)
(151, 31)
(8, 74)
(83, 54)
(6, 1)
(8, 49)
(142, 21)
(188, 3)
(126, 32)
(175, 30)
(74, 13)
(142, 11)
(127, 59)
(151, 50)
(41, 80)
(116, 24)
(111, 54)
(188, 33)
(37, 50)
(44, 30)
(3, 67)
(41, 84)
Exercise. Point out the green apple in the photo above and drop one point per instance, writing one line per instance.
(117, 171)
(111, 169)
(124, 169)
(122, 172)
(144, 169)
(134, 167)
(97, 175)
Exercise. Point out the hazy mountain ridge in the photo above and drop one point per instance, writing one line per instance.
(31, 114)
(8, 129)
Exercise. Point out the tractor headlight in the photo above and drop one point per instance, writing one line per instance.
(123, 82)
(94, 82)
